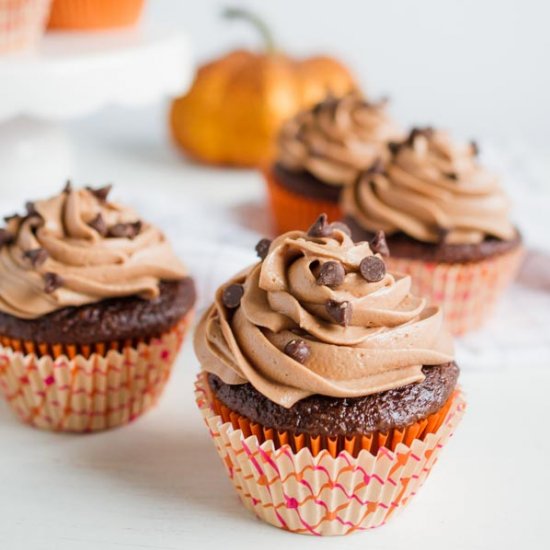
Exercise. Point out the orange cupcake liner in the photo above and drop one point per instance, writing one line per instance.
(292, 211)
(22, 23)
(328, 487)
(467, 292)
(94, 14)
(80, 389)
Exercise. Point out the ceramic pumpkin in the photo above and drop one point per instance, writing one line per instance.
(234, 109)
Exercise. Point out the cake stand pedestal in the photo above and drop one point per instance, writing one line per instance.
(72, 75)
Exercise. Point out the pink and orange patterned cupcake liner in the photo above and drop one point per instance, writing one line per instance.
(323, 491)
(75, 389)
(22, 23)
(467, 292)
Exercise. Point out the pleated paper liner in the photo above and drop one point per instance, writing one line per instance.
(330, 492)
(334, 445)
(22, 23)
(468, 292)
(94, 14)
(80, 389)
(292, 211)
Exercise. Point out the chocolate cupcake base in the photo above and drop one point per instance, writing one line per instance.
(330, 416)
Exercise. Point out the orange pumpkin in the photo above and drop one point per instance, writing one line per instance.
(235, 107)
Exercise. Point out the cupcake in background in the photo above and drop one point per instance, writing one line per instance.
(328, 388)
(22, 23)
(94, 14)
(447, 223)
(94, 305)
(321, 151)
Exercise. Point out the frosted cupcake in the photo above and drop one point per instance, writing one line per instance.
(322, 150)
(94, 305)
(328, 388)
(447, 223)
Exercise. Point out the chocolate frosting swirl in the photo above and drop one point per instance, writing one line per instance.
(431, 189)
(337, 139)
(76, 248)
(389, 337)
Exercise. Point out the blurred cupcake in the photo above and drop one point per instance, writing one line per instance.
(93, 309)
(447, 224)
(94, 14)
(328, 388)
(22, 23)
(321, 151)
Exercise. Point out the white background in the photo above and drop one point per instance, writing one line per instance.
(478, 67)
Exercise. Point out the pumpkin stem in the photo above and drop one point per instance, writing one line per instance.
(260, 25)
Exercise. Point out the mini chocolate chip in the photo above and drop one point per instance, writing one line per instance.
(262, 248)
(5, 237)
(416, 132)
(340, 311)
(68, 187)
(232, 295)
(298, 350)
(124, 230)
(394, 147)
(37, 256)
(52, 281)
(442, 233)
(377, 167)
(98, 223)
(331, 274)
(475, 148)
(372, 269)
(31, 209)
(341, 226)
(320, 227)
(451, 175)
(379, 245)
(101, 193)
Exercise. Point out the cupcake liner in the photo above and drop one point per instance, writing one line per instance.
(22, 23)
(87, 392)
(94, 14)
(324, 493)
(292, 211)
(468, 292)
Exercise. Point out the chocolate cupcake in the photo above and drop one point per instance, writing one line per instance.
(322, 150)
(446, 221)
(93, 308)
(318, 364)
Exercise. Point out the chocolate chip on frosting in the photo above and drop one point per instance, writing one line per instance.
(68, 187)
(332, 273)
(37, 256)
(231, 296)
(52, 281)
(262, 248)
(475, 148)
(341, 312)
(124, 230)
(379, 245)
(5, 237)
(98, 223)
(298, 350)
(320, 227)
(451, 175)
(100, 193)
(31, 210)
(394, 147)
(372, 268)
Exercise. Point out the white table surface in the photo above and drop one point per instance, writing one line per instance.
(158, 484)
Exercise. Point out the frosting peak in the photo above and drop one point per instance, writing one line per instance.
(77, 248)
(337, 139)
(431, 189)
(320, 315)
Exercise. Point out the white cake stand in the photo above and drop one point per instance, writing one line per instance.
(72, 75)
